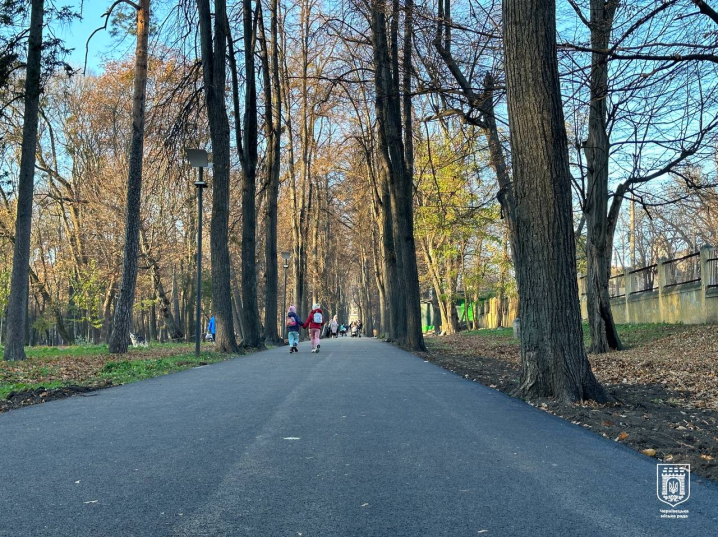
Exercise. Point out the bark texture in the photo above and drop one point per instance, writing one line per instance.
(553, 359)
(273, 125)
(403, 302)
(17, 301)
(599, 243)
(252, 323)
(214, 71)
(122, 323)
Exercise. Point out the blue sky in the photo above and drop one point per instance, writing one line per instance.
(102, 46)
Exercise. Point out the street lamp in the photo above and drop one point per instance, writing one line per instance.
(285, 256)
(198, 159)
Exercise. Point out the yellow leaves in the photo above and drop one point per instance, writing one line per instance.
(622, 436)
(649, 451)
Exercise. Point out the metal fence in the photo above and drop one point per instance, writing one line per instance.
(617, 286)
(686, 269)
(644, 279)
(712, 269)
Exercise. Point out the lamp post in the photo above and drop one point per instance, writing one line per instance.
(198, 159)
(285, 256)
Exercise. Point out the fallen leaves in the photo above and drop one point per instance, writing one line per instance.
(55, 372)
(687, 369)
(664, 384)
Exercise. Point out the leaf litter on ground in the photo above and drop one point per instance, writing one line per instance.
(665, 384)
(57, 372)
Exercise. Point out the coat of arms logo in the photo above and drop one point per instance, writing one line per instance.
(673, 483)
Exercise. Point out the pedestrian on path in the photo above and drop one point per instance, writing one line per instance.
(211, 330)
(315, 321)
(293, 324)
(334, 325)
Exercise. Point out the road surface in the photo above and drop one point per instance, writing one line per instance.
(361, 439)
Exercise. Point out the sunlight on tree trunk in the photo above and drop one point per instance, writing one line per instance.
(553, 359)
(122, 324)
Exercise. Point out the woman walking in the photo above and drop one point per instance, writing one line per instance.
(315, 321)
(293, 324)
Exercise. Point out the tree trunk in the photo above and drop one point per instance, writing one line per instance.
(382, 78)
(247, 149)
(153, 320)
(214, 72)
(252, 324)
(55, 306)
(414, 334)
(436, 314)
(498, 163)
(173, 328)
(390, 273)
(365, 290)
(273, 119)
(237, 302)
(393, 159)
(378, 274)
(175, 299)
(598, 244)
(19, 283)
(553, 359)
(107, 311)
(123, 310)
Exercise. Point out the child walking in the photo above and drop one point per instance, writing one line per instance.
(293, 324)
(315, 321)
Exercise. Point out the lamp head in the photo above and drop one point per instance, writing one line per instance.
(197, 157)
(286, 255)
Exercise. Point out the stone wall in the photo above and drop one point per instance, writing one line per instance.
(688, 302)
(661, 298)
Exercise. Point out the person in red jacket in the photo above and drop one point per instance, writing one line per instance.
(315, 321)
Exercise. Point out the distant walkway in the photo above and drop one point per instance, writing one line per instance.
(361, 439)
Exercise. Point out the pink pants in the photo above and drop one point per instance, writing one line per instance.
(314, 334)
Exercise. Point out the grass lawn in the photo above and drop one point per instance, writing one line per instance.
(92, 366)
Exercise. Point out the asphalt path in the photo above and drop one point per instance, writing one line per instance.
(361, 439)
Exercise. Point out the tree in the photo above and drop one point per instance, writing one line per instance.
(248, 158)
(481, 103)
(604, 335)
(122, 322)
(173, 329)
(17, 302)
(213, 50)
(395, 150)
(553, 359)
(454, 211)
(633, 100)
(273, 129)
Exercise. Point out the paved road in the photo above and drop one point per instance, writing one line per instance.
(360, 440)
